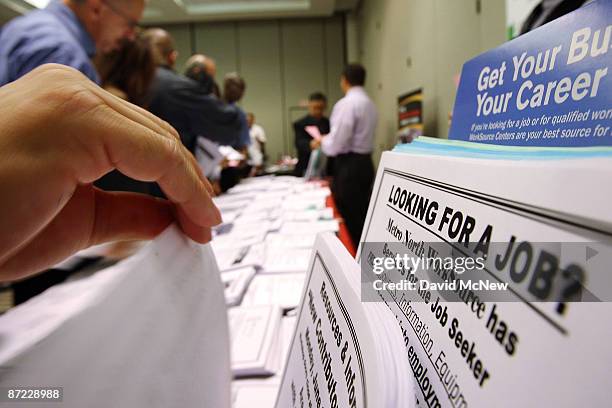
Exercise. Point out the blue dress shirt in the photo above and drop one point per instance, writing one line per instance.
(245, 135)
(50, 35)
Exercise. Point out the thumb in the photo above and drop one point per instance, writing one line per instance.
(90, 217)
(122, 216)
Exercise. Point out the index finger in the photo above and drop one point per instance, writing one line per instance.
(117, 142)
(147, 119)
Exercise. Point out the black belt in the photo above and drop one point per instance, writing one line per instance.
(353, 154)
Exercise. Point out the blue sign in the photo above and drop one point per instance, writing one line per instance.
(549, 87)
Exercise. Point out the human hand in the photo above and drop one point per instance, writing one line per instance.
(315, 144)
(59, 133)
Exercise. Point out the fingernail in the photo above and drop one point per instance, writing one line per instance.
(206, 236)
(215, 214)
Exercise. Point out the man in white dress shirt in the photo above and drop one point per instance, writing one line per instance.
(351, 141)
(258, 143)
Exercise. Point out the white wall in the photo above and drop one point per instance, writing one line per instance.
(409, 44)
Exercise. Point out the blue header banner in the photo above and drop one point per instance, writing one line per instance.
(549, 87)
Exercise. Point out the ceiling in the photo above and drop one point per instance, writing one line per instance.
(165, 11)
(170, 11)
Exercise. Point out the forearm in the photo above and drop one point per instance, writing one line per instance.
(329, 145)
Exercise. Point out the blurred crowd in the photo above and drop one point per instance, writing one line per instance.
(111, 123)
(103, 40)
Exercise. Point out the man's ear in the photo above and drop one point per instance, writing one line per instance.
(172, 58)
(94, 9)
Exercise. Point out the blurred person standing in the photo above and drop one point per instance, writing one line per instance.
(67, 32)
(185, 103)
(257, 149)
(351, 141)
(211, 69)
(211, 66)
(198, 68)
(317, 105)
(233, 91)
(548, 10)
(234, 87)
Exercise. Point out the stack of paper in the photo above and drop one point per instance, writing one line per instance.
(233, 257)
(262, 392)
(285, 260)
(254, 393)
(280, 241)
(251, 236)
(255, 340)
(263, 249)
(272, 224)
(539, 219)
(283, 290)
(309, 215)
(313, 203)
(149, 331)
(293, 227)
(344, 352)
(236, 282)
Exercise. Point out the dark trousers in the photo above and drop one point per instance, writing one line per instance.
(352, 187)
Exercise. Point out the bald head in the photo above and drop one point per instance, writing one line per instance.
(195, 64)
(200, 62)
(195, 68)
(211, 66)
(163, 46)
(108, 21)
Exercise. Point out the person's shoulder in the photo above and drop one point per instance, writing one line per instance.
(166, 75)
(30, 19)
(168, 87)
(168, 80)
(362, 98)
(38, 31)
(189, 85)
(303, 121)
(35, 24)
(346, 102)
(344, 99)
